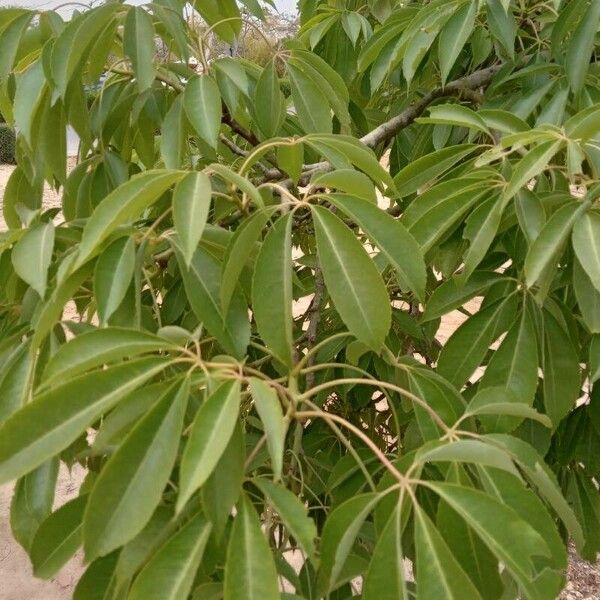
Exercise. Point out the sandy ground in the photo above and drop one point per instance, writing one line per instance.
(16, 578)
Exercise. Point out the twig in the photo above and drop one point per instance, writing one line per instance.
(313, 323)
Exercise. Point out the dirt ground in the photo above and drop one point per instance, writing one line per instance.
(16, 578)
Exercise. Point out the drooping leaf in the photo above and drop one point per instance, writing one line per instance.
(586, 243)
(55, 418)
(352, 279)
(191, 204)
(112, 276)
(138, 43)
(250, 572)
(58, 538)
(212, 428)
(32, 256)
(169, 574)
(269, 101)
(131, 484)
(272, 290)
(202, 102)
(275, 423)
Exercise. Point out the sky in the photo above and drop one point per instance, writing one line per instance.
(282, 5)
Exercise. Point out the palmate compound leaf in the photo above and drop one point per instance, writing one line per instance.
(352, 280)
(56, 417)
(131, 483)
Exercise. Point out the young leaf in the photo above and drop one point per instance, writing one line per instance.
(131, 484)
(32, 255)
(272, 290)
(250, 572)
(355, 285)
(169, 574)
(275, 424)
(113, 275)
(191, 203)
(202, 103)
(211, 430)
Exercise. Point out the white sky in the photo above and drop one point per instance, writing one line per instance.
(282, 5)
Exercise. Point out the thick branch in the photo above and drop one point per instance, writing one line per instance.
(390, 128)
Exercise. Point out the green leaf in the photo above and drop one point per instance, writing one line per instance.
(349, 181)
(131, 484)
(293, 513)
(98, 347)
(275, 424)
(57, 538)
(339, 534)
(385, 579)
(514, 366)
(585, 124)
(19, 190)
(269, 103)
(222, 489)
(588, 297)
(487, 402)
(241, 247)
(250, 572)
(586, 243)
(32, 255)
(456, 115)
(581, 47)
(138, 44)
(502, 26)
(32, 502)
(290, 158)
(97, 581)
(210, 432)
(453, 37)
(191, 204)
(57, 417)
(549, 245)
(202, 282)
(454, 293)
(202, 103)
(169, 574)
(439, 573)
(468, 345)
(392, 238)
(498, 526)
(352, 279)
(121, 207)
(311, 107)
(560, 363)
(173, 141)
(421, 171)
(534, 162)
(113, 275)
(272, 291)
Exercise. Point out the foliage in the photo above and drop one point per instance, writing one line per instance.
(233, 322)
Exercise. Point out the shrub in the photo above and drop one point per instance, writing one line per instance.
(255, 366)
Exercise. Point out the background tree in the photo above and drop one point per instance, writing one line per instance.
(256, 375)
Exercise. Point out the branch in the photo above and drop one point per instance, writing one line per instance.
(313, 323)
(239, 129)
(464, 85)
